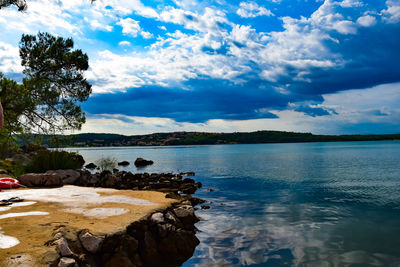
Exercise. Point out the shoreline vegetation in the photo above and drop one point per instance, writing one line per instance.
(202, 138)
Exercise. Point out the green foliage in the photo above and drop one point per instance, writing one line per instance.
(17, 104)
(199, 138)
(20, 4)
(8, 143)
(106, 163)
(46, 160)
(55, 82)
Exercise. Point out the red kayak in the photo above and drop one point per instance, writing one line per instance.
(7, 183)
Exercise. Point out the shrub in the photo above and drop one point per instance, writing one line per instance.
(46, 160)
(106, 163)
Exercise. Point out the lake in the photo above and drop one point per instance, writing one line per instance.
(304, 204)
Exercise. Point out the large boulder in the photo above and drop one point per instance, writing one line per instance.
(186, 214)
(91, 166)
(141, 162)
(41, 179)
(67, 176)
(63, 248)
(90, 242)
(123, 163)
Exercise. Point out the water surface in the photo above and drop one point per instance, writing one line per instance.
(306, 204)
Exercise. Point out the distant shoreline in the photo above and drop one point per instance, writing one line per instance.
(202, 138)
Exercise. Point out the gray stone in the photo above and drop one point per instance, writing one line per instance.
(184, 211)
(50, 258)
(157, 218)
(90, 242)
(67, 262)
(171, 217)
(165, 229)
(67, 176)
(62, 247)
(57, 236)
(41, 179)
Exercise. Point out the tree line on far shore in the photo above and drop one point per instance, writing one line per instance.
(203, 138)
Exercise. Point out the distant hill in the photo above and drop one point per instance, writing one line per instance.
(202, 138)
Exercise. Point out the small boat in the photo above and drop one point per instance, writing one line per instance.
(8, 183)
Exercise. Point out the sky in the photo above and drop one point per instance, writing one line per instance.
(326, 67)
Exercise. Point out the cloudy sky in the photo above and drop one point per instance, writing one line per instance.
(316, 66)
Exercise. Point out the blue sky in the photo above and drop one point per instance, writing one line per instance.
(328, 67)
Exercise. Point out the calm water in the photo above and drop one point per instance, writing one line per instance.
(316, 204)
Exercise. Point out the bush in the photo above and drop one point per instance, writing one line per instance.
(106, 163)
(46, 160)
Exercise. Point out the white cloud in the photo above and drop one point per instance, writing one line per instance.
(146, 35)
(124, 43)
(10, 61)
(252, 10)
(209, 21)
(392, 13)
(96, 25)
(125, 7)
(378, 104)
(40, 13)
(366, 21)
(130, 26)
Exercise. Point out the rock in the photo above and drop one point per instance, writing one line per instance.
(148, 250)
(22, 159)
(91, 166)
(188, 189)
(178, 247)
(90, 242)
(210, 190)
(186, 214)
(67, 262)
(188, 181)
(67, 176)
(120, 259)
(50, 258)
(173, 195)
(189, 174)
(165, 229)
(41, 179)
(157, 218)
(140, 162)
(205, 207)
(171, 217)
(196, 201)
(79, 159)
(123, 163)
(62, 247)
(130, 245)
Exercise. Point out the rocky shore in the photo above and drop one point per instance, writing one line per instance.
(165, 237)
(174, 184)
